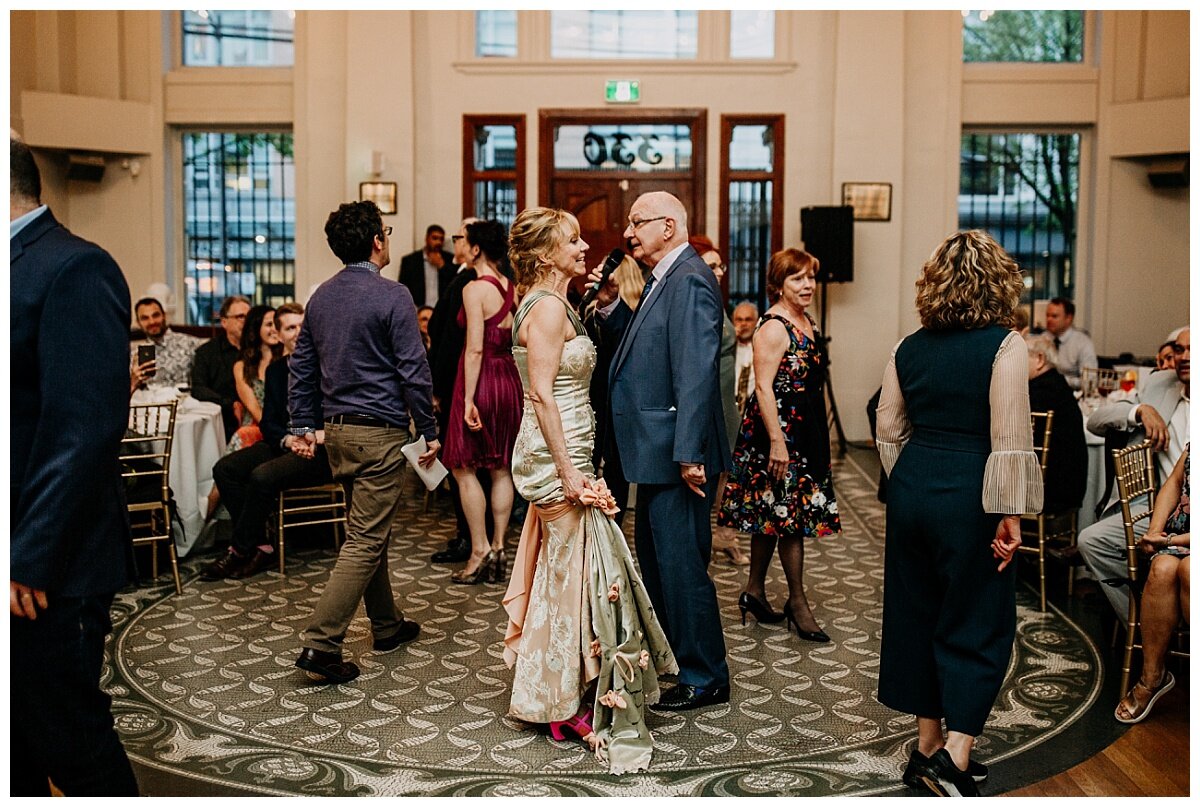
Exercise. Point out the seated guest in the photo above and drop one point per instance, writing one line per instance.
(1066, 467)
(1075, 349)
(212, 369)
(1168, 591)
(1158, 412)
(250, 480)
(173, 351)
(260, 346)
(424, 313)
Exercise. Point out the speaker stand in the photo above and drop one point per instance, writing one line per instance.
(835, 420)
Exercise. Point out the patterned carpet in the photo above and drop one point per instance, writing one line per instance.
(207, 700)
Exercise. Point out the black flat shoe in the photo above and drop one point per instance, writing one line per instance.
(818, 635)
(327, 665)
(762, 612)
(456, 551)
(685, 696)
(943, 778)
(409, 630)
(918, 764)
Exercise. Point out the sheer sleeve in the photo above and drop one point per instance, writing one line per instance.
(892, 428)
(1012, 481)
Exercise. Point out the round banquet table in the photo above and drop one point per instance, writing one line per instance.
(199, 442)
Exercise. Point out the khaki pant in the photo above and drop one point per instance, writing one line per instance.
(368, 458)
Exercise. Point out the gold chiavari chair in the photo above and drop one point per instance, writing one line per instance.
(1096, 381)
(1136, 476)
(1042, 528)
(304, 507)
(146, 454)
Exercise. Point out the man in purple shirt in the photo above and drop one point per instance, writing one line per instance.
(360, 360)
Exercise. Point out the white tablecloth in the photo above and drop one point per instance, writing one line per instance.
(199, 443)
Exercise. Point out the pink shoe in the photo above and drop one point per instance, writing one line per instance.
(580, 725)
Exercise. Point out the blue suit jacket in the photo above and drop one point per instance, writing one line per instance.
(70, 407)
(664, 382)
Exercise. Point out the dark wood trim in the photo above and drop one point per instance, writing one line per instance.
(776, 122)
(695, 117)
(470, 176)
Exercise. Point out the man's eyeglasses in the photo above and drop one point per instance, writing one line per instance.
(235, 316)
(455, 238)
(1179, 349)
(635, 224)
(387, 230)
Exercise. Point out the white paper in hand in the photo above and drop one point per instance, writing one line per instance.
(431, 476)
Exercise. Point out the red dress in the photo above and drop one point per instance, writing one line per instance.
(498, 396)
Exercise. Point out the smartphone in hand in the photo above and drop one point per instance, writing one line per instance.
(145, 353)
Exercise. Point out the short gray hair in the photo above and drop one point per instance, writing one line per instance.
(1043, 344)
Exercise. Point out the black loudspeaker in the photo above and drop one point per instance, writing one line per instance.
(828, 234)
(85, 168)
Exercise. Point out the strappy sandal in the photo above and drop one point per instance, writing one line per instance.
(1136, 716)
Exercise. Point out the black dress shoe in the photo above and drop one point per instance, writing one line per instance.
(408, 631)
(685, 696)
(761, 610)
(260, 561)
(456, 551)
(943, 778)
(224, 566)
(918, 764)
(327, 665)
(819, 636)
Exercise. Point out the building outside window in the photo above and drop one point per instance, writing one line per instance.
(239, 220)
(493, 166)
(1023, 36)
(496, 33)
(751, 202)
(1023, 188)
(217, 38)
(623, 34)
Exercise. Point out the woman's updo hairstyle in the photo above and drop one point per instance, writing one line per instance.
(491, 239)
(535, 235)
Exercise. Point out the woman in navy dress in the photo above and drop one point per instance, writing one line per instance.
(955, 439)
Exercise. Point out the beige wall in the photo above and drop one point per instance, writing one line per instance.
(398, 83)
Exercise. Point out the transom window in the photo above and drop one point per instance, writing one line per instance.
(496, 33)
(752, 34)
(238, 38)
(1023, 36)
(239, 220)
(623, 34)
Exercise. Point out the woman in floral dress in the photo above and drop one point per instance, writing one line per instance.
(781, 487)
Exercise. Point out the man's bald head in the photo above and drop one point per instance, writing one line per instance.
(657, 225)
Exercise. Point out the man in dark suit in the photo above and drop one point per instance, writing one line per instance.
(69, 549)
(665, 407)
(427, 272)
(212, 369)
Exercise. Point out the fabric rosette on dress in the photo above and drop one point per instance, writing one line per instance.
(617, 640)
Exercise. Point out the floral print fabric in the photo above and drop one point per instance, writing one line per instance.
(803, 502)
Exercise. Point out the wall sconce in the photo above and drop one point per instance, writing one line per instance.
(376, 163)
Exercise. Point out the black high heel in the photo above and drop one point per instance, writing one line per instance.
(762, 612)
(481, 575)
(500, 570)
(819, 636)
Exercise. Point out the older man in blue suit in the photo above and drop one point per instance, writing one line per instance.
(69, 547)
(665, 405)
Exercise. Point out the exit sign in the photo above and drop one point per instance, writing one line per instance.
(622, 91)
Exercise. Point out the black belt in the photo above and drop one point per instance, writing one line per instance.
(356, 420)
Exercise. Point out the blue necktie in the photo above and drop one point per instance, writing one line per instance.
(646, 291)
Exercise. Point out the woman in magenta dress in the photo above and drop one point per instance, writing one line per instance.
(485, 410)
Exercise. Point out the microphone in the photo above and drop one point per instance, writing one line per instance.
(610, 263)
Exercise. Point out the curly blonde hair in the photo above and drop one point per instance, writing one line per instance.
(535, 234)
(969, 282)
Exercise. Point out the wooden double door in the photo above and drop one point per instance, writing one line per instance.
(595, 163)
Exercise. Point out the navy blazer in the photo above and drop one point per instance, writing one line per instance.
(70, 408)
(664, 382)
